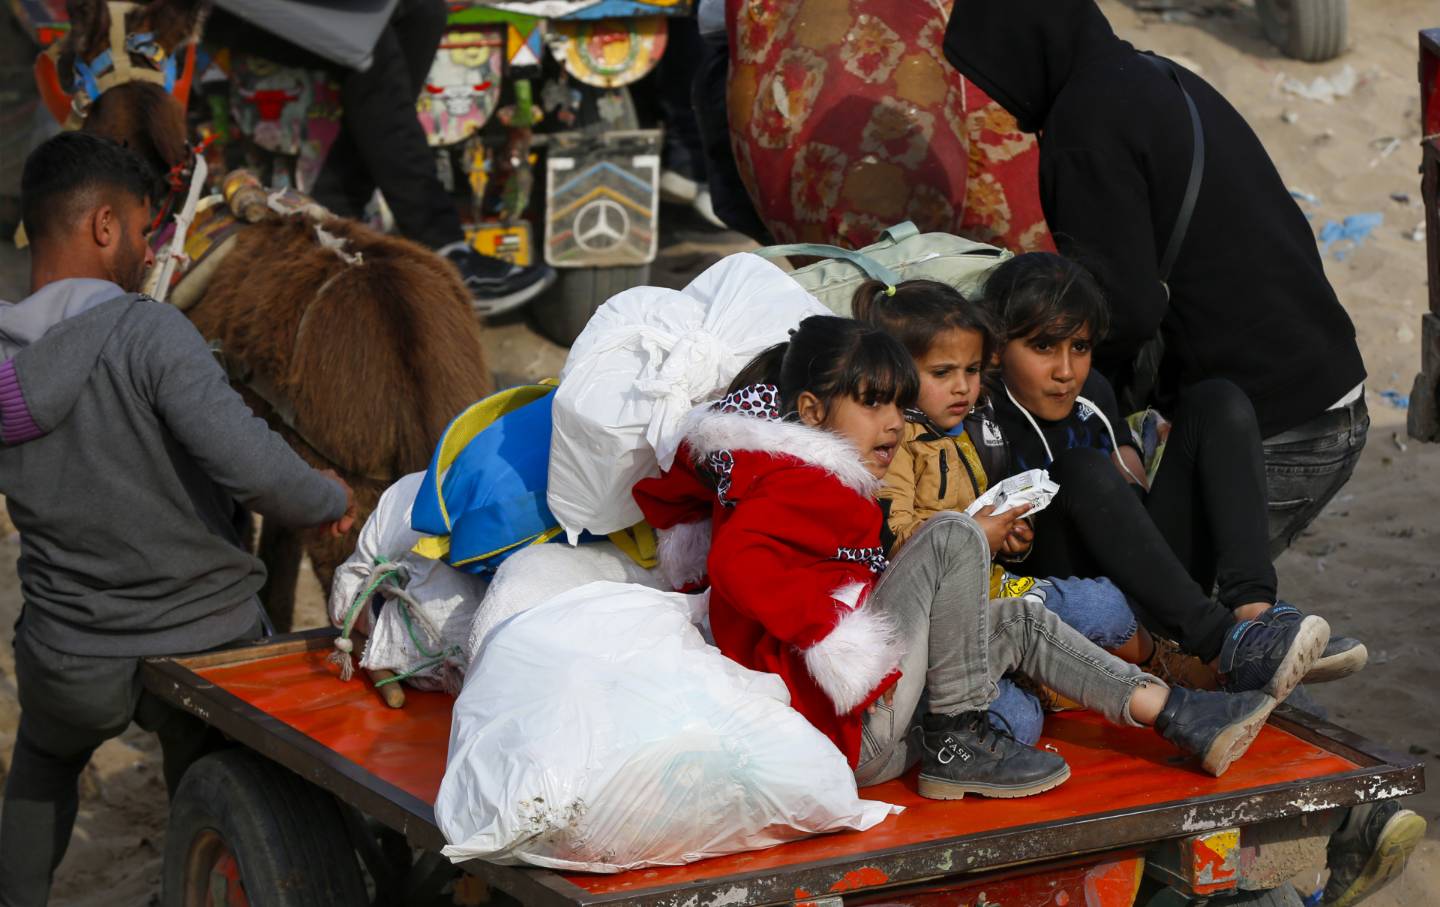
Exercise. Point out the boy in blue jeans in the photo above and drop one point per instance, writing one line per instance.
(125, 460)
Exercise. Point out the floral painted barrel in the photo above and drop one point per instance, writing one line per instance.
(846, 118)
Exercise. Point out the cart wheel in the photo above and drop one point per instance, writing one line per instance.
(1309, 30)
(562, 312)
(244, 830)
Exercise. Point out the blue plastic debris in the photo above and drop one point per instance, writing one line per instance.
(1302, 195)
(1396, 399)
(1354, 230)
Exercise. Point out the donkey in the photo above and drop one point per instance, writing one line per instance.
(357, 347)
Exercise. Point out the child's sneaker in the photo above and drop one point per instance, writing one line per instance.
(1271, 656)
(964, 754)
(1343, 655)
(1217, 727)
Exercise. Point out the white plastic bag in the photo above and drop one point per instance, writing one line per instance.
(446, 597)
(534, 575)
(598, 732)
(645, 359)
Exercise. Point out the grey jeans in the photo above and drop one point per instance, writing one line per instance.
(1306, 466)
(69, 705)
(959, 644)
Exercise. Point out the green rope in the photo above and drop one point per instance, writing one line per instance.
(412, 672)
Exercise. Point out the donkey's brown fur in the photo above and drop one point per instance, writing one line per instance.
(173, 22)
(143, 117)
(374, 358)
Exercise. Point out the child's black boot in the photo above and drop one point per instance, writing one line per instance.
(1271, 656)
(1217, 727)
(964, 754)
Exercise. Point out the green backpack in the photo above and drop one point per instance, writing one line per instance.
(903, 253)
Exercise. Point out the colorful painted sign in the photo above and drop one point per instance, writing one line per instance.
(463, 87)
(603, 204)
(608, 53)
(285, 110)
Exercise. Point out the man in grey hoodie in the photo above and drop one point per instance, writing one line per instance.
(125, 460)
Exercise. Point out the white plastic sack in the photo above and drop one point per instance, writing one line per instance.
(447, 598)
(534, 575)
(644, 360)
(598, 732)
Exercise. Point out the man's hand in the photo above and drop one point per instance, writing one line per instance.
(997, 527)
(1021, 537)
(337, 528)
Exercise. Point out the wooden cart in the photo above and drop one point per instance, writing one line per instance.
(325, 797)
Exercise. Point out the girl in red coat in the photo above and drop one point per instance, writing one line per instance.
(771, 502)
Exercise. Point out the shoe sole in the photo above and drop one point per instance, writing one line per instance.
(1397, 841)
(1337, 666)
(1231, 743)
(938, 789)
(1305, 650)
(499, 305)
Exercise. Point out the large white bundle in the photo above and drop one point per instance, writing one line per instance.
(599, 732)
(534, 575)
(443, 600)
(645, 359)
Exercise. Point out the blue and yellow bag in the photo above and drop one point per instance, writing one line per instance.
(490, 502)
(494, 458)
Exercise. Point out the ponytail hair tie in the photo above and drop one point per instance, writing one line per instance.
(889, 291)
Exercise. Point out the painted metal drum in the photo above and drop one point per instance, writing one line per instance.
(846, 119)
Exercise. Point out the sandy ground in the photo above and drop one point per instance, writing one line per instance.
(1369, 564)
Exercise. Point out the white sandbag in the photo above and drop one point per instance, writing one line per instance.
(443, 600)
(644, 360)
(598, 732)
(534, 575)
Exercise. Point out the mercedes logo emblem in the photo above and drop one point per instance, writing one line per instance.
(601, 225)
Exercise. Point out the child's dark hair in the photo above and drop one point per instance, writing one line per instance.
(65, 172)
(834, 357)
(918, 311)
(1047, 296)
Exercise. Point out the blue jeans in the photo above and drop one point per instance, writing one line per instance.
(1095, 607)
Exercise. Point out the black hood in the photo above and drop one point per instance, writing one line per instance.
(1022, 52)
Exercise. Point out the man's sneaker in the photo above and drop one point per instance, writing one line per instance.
(964, 754)
(1217, 727)
(1272, 656)
(1369, 850)
(495, 285)
(1343, 655)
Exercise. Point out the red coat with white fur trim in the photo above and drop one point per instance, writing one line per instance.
(781, 520)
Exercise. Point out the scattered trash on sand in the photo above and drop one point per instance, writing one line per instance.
(1400, 444)
(1304, 196)
(1324, 89)
(1387, 145)
(1353, 231)
(1396, 399)
(1400, 198)
(1290, 116)
(1416, 233)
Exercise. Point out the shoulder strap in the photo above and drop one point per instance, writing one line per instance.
(1197, 169)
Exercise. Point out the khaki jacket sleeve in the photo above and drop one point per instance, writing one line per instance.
(898, 497)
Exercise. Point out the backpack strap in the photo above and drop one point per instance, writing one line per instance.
(1197, 170)
(1145, 367)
